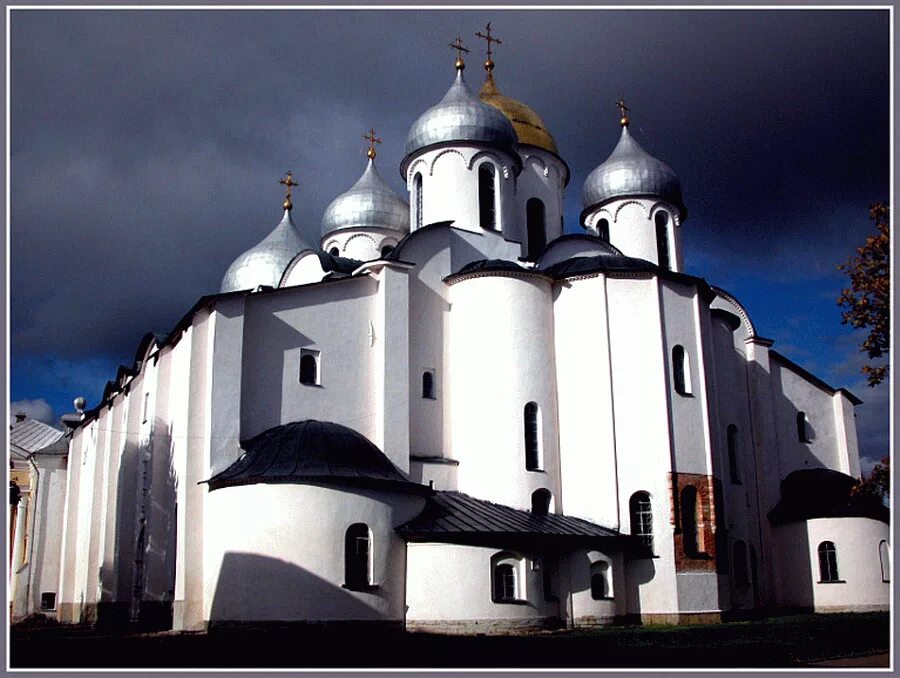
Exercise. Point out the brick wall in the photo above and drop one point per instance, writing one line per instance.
(707, 520)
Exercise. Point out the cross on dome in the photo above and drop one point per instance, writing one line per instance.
(372, 139)
(489, 64)
(623, 109)
(289, 182)
(458, 46)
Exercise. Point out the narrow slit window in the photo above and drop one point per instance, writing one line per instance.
(828, 568)
(533, 455)
(642, 521)
(487, 196)
(357, 556)
(428, 384)
(309, 367)
(537, 234)
(662, 239)
(731, 439)
(681, 370)
(540, 502)
(884, 557)
(417, 193)
(603, 229)
(802, 427)
(689, 522)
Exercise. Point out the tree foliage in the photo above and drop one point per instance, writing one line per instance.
(866, 303)
(877, 483)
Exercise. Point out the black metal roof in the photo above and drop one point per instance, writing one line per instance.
(458, 518)
(823, 493)
(310, 451)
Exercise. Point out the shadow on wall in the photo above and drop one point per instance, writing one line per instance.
(639, 571)
(254, 588)
(137, 583)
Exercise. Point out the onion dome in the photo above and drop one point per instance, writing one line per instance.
(529, 127)
(265, 262)
(459, 117)
(631, 172)
(313, 451)
(370, 202)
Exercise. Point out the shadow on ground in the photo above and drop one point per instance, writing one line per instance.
(776, 642)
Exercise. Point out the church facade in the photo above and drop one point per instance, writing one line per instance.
(446, 414)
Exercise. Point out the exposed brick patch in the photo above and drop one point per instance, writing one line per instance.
(682, 618)
(708, 491)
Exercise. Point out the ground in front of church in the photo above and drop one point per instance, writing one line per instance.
(832, 640)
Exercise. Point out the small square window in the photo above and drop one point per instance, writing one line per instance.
(309, 367)
(48, 601)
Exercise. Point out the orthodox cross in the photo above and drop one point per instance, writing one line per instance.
(623, 109)
(372, 139)
(489, 64)
(289, 182)
(457, 45)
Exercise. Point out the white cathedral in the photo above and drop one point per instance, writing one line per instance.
(447, 415)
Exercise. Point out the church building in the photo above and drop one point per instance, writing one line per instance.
(446, 414)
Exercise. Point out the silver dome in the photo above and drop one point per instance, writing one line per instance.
(370, 202)
(460, 116)
(631, 171)
(264, 263)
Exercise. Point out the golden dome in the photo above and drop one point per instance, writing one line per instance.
(528, 125)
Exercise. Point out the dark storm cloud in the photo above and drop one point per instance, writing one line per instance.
(146, 146)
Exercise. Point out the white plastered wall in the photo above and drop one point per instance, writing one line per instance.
(493, 374)
(450, 187)
(542, 177)
(632, 228)
(270, 555)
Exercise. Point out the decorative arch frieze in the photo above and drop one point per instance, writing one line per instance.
(498, 161)
(539, 163)
(411, 172)
(446, 151)
(626, 204)
(358, 236)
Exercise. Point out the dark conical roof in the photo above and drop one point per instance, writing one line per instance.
(310, 451)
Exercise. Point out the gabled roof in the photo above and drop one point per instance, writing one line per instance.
(31, 435)
(458, 518)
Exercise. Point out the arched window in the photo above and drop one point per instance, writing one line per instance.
(802, 427)
(828, 569)
(506, 585)
(600, 580)
(309, 367)
(884, 557)
(386, 250)
(533, 456)
(681, 370)
(739, 564)
(642, 520)
(540, 502)
(487, 210)
(537, 234)
(690, 533)
(731, 436)
(662, 239)
(417, 196)
(357, 556)
(334, 251)
(428, 384)
(603, 229)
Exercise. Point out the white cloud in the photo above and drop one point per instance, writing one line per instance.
(38, 409)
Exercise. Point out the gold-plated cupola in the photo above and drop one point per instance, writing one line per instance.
(528, 125)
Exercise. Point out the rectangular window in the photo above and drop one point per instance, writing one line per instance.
(48, 601)
(146, 407)
(310, 367)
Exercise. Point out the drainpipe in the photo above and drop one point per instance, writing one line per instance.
(34, 522)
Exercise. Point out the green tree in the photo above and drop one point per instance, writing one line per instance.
(866, 303)
(878, 483)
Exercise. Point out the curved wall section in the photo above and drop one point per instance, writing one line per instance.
(450, 188)
(271, 557)
(502, 358)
